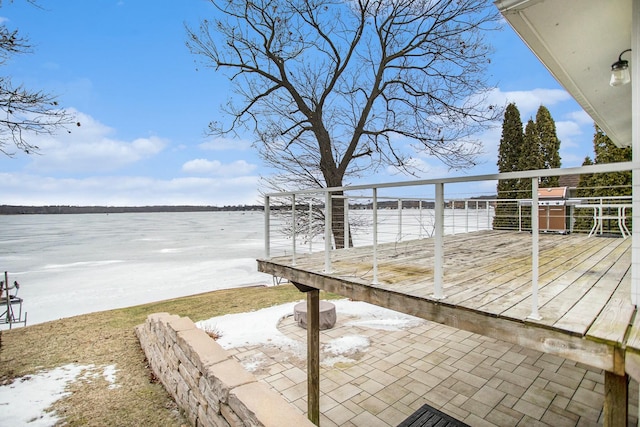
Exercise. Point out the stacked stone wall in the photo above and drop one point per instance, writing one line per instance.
(212, 388)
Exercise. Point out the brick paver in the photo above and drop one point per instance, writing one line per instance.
(479, 380)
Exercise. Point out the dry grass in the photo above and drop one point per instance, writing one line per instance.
(107, 338)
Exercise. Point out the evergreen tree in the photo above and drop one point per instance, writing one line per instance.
(511, 142)
(585, 184)
(612, 183)
(537, 148)
(583, 218)
(530, 156)
(549, 145)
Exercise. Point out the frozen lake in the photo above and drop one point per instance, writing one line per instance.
(74, 264)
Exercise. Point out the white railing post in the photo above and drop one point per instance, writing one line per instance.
(488, 209)
(311, 226)
(519, 216)
(399, 238)
(601, 213)
(534, 250)
(346, 222)
(327, 232)
(438, 272)
(375, 236)
(267, 228)
(453, 217)
(293, 228)
(466, 216)
(420, 218)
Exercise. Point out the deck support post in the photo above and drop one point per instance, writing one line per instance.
(313, 356)
(438, 262)
(313, 351)
(615, 399)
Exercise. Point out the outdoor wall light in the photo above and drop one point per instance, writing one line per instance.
(620, 71)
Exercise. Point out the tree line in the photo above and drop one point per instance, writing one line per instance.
(66, 209)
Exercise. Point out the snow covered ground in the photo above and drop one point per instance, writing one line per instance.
(25, 402)
(261, 328)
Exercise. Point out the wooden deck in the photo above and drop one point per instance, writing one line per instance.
(584, 286)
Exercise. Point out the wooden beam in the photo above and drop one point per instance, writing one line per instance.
(527, 334)
(313, 356)
(303, 288)
(615, 400)
(632, 364)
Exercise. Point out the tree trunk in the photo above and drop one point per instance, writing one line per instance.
(338, 226)
(332, 178)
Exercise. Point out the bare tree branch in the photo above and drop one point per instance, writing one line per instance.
(333, 89)
(23, 112)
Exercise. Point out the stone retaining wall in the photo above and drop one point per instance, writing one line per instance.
(212, 388)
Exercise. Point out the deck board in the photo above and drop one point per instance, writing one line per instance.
(510, 296)
(559, 294)
(589, 305)
(584, 287)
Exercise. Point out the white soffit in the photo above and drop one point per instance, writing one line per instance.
(578, 40)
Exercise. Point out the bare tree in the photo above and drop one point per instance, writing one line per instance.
(335, 88)
(24, 112)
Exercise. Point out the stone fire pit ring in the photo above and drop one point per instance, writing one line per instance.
(327, 315)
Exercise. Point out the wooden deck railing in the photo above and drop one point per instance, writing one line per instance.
(399, 211)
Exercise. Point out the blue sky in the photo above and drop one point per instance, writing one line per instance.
(144, 103)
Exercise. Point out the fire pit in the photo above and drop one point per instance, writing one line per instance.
(327, 315)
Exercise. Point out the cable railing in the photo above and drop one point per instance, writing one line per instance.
(332, 219)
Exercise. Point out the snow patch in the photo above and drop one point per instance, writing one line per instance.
(348, 344)
(260, 327)
(26, 400)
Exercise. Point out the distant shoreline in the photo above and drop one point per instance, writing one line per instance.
(482, 202)
(58, 209)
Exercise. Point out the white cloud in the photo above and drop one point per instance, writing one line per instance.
(422, 167)
(581, 117)
(529, 101)
(217, 168)
(27, 189)
(566, 131)
(490, 140)
(224, 144)
(90, 147)
(574, 130)
(570, 159)
(92, 160)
